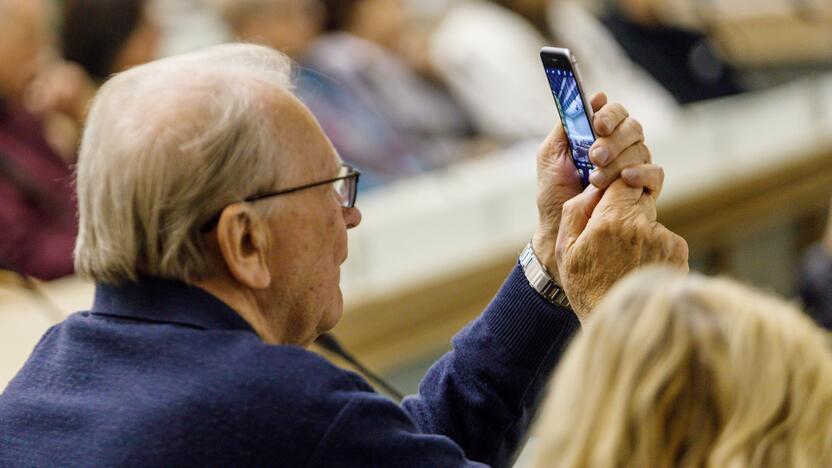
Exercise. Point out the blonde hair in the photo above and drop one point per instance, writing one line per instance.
(166, 146)
(688, 372)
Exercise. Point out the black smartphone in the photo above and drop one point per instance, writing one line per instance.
(573, 108)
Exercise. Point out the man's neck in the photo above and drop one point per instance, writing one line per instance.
(244, 303)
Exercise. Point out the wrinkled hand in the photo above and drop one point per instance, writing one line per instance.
(604, 235)
(618, 152)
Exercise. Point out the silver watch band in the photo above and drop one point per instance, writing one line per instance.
(540, 280)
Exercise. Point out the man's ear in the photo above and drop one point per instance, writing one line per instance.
(242, 237)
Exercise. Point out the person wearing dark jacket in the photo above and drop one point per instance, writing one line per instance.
(815, 280)
(214, 220)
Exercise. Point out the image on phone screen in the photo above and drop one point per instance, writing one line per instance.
(573, 117)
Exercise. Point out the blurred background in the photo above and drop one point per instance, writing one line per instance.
(442, 105)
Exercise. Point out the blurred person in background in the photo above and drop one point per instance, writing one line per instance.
(683, 60)
(487, 52)
(361, 134)
(37, 212)
(214, 219)
(815, 279)
(383, 117)
(97, 38)
(363, 50)
(290, 26)
(43, 102)
(690, 372)
(109, 36)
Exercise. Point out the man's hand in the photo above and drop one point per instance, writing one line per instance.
(604, 235)
(620, 146)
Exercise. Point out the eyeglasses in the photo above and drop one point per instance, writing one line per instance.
(345, 185)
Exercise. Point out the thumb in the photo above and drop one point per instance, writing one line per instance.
(554, 148)
(576, 214)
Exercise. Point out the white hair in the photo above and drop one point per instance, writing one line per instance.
(166, 146)
(690, 371)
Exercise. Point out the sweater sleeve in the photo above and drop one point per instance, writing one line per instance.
(474, 405)
(371, 430)
(484, 392)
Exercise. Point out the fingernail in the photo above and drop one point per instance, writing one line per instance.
(601, 156)
(597, 178)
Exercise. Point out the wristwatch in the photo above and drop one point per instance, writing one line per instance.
(540, 279)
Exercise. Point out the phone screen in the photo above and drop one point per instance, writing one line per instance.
(573, 116)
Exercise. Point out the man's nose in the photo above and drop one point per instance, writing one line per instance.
(352, 217)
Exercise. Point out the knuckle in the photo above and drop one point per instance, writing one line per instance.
(636, 125)
(656, 181)
(643, 153)
(613, 147)
(681, 249)
(611, 172)
(570, 205)
(602, 142)
(655, 233)
(632, 155)
(600, 121)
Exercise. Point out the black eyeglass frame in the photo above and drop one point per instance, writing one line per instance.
(352, 173)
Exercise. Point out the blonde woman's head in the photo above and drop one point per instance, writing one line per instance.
(690, 371)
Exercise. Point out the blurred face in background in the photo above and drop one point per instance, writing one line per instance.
(141, 46)
(379, 21)
(24, 41)
(640, 11)
(109, 36)
(287, 25)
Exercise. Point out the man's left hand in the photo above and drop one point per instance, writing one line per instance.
(605, 235)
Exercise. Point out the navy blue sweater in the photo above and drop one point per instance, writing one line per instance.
(164, 374)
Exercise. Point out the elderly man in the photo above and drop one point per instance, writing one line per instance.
(214, 216)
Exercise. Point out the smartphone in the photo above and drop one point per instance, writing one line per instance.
(573, 108)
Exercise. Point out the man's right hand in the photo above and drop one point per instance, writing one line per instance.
(605, 235)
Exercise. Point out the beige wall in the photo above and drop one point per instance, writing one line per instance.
(24, 317)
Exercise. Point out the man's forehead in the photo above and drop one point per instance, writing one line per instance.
(301, 134)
